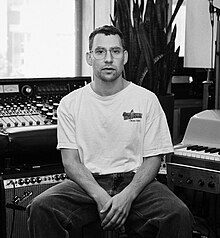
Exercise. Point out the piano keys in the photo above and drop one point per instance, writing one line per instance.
(195, 162)
(200, 152)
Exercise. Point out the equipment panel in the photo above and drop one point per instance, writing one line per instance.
(28, 118)
(34, 101)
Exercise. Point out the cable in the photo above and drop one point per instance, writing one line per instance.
(212, 44)
(13, 216)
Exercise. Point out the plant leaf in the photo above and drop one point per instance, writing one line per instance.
(178, 5)
(150, 42)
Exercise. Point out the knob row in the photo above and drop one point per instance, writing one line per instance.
(28, 181)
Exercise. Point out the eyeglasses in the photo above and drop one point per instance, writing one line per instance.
(100, 53)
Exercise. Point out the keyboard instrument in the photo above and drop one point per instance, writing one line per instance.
(195, 163)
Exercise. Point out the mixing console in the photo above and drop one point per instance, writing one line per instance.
(33, 102)
(28, 117)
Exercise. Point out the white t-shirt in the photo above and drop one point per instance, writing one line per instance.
(113, 133)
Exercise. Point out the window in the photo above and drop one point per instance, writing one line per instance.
(37, 38)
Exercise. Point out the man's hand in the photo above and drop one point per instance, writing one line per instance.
(101, 201)
(115, 211)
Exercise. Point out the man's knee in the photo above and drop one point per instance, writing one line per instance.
(38, 206)
(182, 217)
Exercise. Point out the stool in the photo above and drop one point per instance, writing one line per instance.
(94, 230)
(112, 234)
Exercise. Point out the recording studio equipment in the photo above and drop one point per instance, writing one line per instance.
(33, 102)
(32, 147)
(16, 192)
(4, 144)
(28, 120)
(195, 163)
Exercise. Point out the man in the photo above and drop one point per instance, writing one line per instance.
(112, 134)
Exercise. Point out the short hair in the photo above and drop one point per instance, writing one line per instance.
(106, 30)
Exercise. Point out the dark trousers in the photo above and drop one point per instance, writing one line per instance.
(65, 210)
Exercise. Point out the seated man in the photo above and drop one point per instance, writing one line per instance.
(112, 134)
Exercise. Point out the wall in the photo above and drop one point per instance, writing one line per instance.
(199, 34)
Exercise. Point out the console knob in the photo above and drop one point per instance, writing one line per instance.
(50, 109)
(27, 181)
(39, 106)
(39, 179)
(33, 180)
(50, 102)
(49, 115)
(189, 181)
(54, 120)
(201, 182)
(211, 184)
(38, 98)
(26, 90)
(44, 110)
(20, 181)
(57, 177)
(55, 105)
(62, 176)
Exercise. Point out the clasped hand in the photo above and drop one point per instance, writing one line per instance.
(115, 211)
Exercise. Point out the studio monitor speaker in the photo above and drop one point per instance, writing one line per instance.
(15, 194)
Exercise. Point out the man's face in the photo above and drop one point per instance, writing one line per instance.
(107, 57)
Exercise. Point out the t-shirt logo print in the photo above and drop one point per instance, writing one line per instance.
(132, 116)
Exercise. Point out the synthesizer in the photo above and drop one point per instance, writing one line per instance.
(195, 163)
(28, 118)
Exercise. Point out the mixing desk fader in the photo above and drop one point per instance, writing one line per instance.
(28, 117)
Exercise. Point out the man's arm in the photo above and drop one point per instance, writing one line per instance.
(146, 174)
(119, 206)
(77, 172)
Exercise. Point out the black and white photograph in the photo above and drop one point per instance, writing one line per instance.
(110, 118)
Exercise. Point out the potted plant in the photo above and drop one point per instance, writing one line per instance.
(150, 42)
